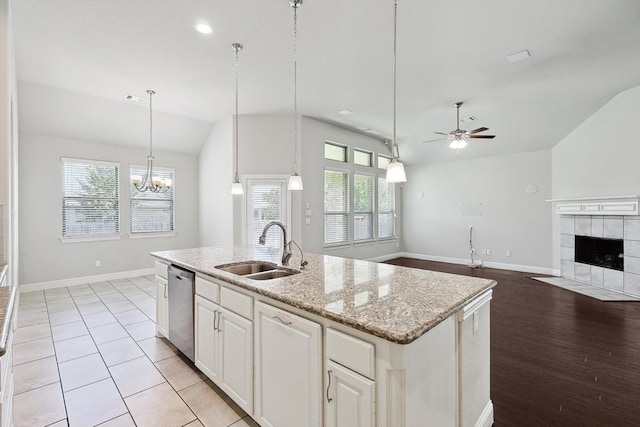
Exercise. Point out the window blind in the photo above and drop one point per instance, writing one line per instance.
(90, 198)
(266, 204)
(151, 212)
(386, 209)
(363, 187)
(336, 207)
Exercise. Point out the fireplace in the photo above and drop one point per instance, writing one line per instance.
(600, 252)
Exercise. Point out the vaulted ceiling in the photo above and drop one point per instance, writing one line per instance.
(77, 59)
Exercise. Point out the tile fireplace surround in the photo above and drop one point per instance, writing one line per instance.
(610, 227)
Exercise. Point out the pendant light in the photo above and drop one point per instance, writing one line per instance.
(151, 183)
(295, 180)
(236, 187)
(395, 168)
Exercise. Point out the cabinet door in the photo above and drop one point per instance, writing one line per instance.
(162, 307)
(288, 369)
(349, 399)
(236, 370)
(206, 337)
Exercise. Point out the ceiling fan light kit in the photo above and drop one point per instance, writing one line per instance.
(459, 136)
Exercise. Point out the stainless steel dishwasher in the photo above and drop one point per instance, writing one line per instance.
(181, 295)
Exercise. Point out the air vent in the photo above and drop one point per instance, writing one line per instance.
(133, 98)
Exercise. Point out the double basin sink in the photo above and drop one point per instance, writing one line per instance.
(257, 270)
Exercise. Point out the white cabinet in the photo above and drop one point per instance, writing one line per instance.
(236, 361)
(350, 398)
(288, 369)
(224, 343)
(162, 307)
(206, 337)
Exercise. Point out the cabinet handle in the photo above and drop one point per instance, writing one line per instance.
(329, 386)
(215, 316)
(282, 321)
(165, 290)
(219, 319)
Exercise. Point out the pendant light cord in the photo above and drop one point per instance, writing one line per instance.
(295, 87)
(237, 47)
(151, 92)
(396, 154)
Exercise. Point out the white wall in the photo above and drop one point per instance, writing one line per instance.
(43, 257)
(600, 157)
(314, 135)
(8, 146)
(215, 169)
(488, 193)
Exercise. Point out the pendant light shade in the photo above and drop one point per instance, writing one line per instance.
(295, 180)
(236, 187)
(395, 168)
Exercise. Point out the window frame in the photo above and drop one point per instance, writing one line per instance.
(336, 144)
(90, 237)
(152, 234)
(373, 212)
(379, 211)
(363, 151)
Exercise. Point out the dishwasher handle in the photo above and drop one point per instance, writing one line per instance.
(180, 274)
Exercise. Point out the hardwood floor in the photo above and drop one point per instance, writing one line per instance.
(557, 358)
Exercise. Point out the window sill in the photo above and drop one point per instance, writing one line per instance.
(151, 235)
(80, 239)
(360, 243)
(336, 246)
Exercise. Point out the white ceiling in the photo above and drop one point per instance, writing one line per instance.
(80, 57)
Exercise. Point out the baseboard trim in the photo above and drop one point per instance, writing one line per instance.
(52, 284)
(387, 257)
(486, 418)
(489, 264)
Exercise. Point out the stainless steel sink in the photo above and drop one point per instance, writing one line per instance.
(273, 274)
(247, 267)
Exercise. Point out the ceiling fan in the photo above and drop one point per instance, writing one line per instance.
(459, 136)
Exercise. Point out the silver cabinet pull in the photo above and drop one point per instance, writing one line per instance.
(215, 316)
(219, 320)
(329, 386)
(282, 321)
(165, 290)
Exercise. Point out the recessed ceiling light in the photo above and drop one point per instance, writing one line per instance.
(518, 56)
(371, 130)
(345, 112)
(204, 29)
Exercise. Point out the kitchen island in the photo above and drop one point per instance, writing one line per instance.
(341, 343)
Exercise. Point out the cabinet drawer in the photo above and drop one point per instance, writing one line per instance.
(208, 289)
(235, 301)
(161, 269)
(351, 352)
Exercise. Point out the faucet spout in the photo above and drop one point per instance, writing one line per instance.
(286, 252)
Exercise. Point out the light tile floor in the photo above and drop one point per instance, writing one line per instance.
(87, 355)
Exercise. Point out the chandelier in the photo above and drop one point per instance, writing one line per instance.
(149, 182)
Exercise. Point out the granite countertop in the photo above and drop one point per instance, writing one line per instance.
(395, 303)
(7, 298)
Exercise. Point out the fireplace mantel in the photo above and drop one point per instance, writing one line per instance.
(609, 205)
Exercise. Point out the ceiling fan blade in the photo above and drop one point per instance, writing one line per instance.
(442, 133)
(471, 132)
(434, 140)
(482, 136)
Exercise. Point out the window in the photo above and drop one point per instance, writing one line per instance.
(266, 202)
(386, 209)
(383, 161)
(363, 207)
(362, 157)
(335, 152)
(90, 198)
(336, 207)
(152, 212)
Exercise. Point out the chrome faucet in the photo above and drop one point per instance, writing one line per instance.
(286, 252)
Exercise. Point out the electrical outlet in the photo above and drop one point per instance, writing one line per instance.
(484, 252)
(508, 253)
(488, 251)
(98, 263)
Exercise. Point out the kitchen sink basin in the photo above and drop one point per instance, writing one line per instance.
(272, 274)
(247, 267)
